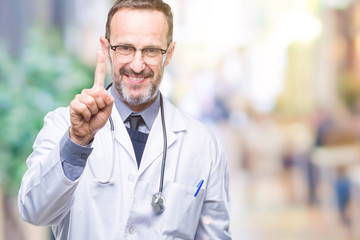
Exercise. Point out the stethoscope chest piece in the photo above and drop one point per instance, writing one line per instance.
(158, 202)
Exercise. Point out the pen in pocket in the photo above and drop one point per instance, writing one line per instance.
(198, 187)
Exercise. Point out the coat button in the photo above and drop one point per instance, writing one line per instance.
(84, 156)
(131, 230)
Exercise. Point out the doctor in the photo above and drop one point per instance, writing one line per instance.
(124, 163)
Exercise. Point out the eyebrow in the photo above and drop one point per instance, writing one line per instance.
(131, 45)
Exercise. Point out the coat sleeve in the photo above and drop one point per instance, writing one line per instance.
(215, 216)
(46, 194)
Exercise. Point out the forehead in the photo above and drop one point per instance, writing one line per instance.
(138, 27)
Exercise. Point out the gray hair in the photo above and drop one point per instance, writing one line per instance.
(158, 5)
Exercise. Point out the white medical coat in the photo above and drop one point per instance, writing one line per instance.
(83, 209)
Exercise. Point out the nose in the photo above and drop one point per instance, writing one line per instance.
(137, 64)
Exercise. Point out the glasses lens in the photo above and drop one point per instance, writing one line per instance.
(151, 52)
(152, 56)
(125, 50)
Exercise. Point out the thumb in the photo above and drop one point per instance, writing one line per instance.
(109, 104)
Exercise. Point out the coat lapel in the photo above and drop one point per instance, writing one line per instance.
(155, 143)
(121, 135)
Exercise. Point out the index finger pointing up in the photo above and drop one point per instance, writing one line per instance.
(100, 70)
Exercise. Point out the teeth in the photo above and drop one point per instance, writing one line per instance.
(136, 78)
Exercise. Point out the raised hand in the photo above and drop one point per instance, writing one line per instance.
(90, 110)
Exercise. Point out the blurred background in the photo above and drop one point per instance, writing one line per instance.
(278, 81)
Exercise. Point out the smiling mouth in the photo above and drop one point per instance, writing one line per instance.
(136, 80)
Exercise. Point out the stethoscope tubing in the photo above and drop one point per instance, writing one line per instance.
(162, 173)
(165, 145)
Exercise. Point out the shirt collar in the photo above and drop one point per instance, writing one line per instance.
(149, 114)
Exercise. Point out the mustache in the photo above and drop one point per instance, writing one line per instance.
(146, 73)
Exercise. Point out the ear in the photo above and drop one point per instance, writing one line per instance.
(105, 47)
(170, 53)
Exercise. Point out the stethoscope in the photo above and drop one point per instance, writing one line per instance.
(158, 200)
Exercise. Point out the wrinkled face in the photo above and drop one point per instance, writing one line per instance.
(136, 82)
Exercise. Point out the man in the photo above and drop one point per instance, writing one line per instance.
(87, 184)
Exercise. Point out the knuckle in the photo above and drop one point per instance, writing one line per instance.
(82, 108)
(91, 102)
(97, 91)
(104, 92)
(85, 91)
(74, 103)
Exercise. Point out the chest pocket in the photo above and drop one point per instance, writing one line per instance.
(182, 214)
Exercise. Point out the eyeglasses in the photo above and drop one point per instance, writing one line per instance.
(126, 53)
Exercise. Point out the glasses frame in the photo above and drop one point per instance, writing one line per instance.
(163, 51)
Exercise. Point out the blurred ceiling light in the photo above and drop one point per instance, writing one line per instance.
(298, 25)
(216, 23)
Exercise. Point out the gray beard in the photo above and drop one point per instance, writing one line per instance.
(125, 95)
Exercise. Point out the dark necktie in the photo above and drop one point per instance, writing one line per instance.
(138, 139)
(135, 121)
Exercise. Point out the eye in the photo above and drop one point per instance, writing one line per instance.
(125, 50)
(151, 52)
